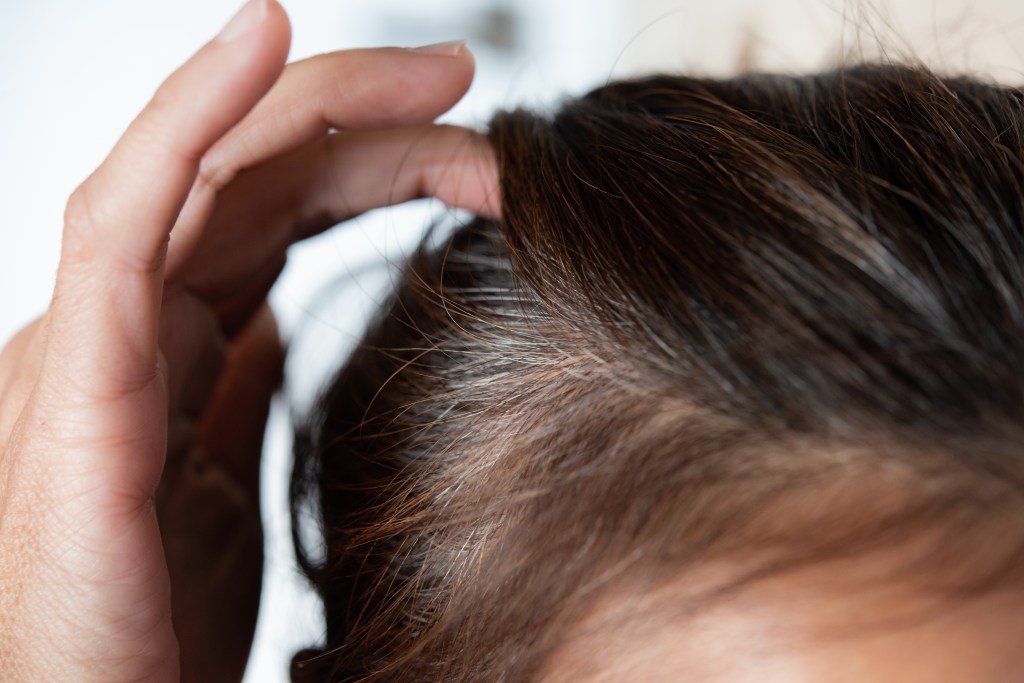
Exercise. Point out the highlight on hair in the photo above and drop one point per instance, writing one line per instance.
(774, 319)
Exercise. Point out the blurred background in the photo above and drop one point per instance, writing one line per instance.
(73, 74)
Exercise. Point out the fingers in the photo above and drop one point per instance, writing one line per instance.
(161, 149)
(235, 311)
(376, 88)
(210, 514)
(352, 89)
(346, 174)
(117, 222)
(382, 168)
(194, 346)
(231, 433)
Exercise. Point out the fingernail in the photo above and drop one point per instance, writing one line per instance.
(450, 49)
(249, 17)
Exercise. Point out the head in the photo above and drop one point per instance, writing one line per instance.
(733, 391)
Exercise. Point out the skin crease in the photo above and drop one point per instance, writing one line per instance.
(132, 411)
(117, 485)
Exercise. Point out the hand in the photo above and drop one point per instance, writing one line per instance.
(140, 395)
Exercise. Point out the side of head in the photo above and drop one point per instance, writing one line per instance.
(742, 358)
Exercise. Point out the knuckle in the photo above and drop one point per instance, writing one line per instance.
(90, 236)
(81, 225)
(161, 101)
(215, 176)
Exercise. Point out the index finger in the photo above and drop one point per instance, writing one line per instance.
(350, 89)
(107, 301)
(347, 90)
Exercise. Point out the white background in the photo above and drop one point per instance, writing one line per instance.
(74, 73)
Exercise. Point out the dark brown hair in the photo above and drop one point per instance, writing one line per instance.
(708, 305)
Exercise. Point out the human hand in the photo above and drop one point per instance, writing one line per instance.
(132, 411)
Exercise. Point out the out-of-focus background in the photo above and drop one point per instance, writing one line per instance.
(73, 74)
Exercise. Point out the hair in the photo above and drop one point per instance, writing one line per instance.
(768, 319)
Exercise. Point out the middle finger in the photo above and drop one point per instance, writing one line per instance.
(351, 89)
(267, 209)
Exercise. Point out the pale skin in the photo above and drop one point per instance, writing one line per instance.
(132, 410)
(895, 611)
(830, 623)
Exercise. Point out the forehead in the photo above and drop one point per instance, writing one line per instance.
(817, 624)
